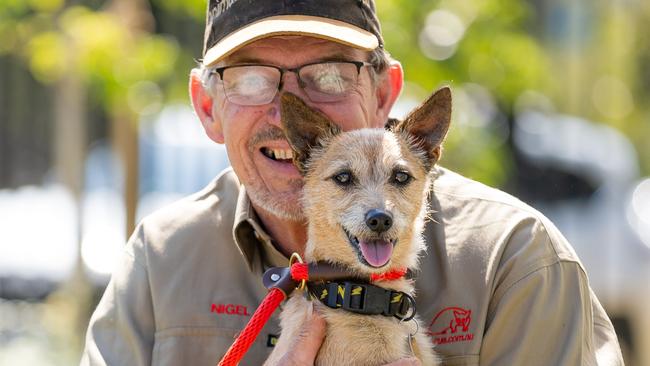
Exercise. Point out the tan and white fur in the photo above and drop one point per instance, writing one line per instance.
(346, 176)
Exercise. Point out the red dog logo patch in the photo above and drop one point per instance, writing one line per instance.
(451, 325)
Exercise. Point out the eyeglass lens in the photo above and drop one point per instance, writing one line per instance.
(257, 84)
(328, 82)
(251, 85)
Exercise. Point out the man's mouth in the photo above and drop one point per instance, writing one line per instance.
(375, 252)
(282, 155)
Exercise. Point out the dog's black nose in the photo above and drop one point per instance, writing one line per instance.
(379, 220)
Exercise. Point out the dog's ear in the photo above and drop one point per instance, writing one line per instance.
(304, 128)
(428, 124)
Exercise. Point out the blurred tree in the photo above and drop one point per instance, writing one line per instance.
(598, 52)
(484, 49)
(116, 63)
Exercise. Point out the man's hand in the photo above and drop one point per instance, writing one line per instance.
(305, 346)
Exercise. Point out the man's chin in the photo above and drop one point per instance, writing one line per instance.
(283, 206)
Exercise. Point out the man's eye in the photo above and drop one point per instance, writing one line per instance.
(343, 178)
(248, 85)
(401, 178)
(331, 83)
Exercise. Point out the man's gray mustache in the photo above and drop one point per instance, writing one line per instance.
(271, 133)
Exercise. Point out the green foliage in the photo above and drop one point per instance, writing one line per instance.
(94, 44)
(47, 56)
(493, 50)
(193, 8)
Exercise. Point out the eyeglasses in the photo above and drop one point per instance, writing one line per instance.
(323, 82)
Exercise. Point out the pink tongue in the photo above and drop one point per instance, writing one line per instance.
(376, 252)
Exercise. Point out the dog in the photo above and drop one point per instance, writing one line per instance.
(365, 193)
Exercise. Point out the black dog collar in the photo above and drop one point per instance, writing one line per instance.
(336, 287)
(363, 298)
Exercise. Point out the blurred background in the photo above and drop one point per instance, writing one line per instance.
(96, 131)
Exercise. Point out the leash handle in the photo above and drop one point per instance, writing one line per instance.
(246, 338)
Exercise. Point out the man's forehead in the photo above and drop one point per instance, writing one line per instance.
(301, 48)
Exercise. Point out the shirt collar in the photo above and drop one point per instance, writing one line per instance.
(254, 243)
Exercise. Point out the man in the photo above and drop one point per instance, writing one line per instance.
(499, 285)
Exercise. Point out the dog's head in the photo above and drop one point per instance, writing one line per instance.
(365, 190)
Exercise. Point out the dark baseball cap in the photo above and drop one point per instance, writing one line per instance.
(231, 24)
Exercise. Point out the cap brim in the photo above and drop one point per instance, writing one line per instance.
(325, 28)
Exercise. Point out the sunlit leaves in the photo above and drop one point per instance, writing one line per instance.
(508, 64)
(47, 56)
(462, 42)
(8, 36)
(194, 8)
(95, 45)
(495, 49)
(13, 9)
(47, 6)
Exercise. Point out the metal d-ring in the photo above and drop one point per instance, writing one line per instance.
(296, 257)
(414, 310)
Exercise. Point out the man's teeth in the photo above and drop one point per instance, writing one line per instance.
(283, 154)
(279, 154)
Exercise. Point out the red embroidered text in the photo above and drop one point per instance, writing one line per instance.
(229, 309)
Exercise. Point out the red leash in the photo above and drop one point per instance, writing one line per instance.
(299, 273)
(243, 342)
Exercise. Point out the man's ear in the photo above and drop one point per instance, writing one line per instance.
(428, 124)
(304, 128)
(388, 90)
(202, 103)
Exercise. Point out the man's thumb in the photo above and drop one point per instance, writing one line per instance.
(306, 345)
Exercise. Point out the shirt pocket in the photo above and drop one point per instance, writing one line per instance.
(203, 346)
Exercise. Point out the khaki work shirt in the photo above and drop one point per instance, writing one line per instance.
(498, 285)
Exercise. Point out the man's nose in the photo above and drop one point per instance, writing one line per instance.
(290, 83)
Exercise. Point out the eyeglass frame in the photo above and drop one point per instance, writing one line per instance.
(296, 70)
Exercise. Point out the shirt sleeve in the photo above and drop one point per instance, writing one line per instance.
(549, 317)
(121, 330)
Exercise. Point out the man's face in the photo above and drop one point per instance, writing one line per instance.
(252, 134)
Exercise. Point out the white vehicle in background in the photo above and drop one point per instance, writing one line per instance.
(584, 177)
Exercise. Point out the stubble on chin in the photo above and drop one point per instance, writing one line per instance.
(286, 206)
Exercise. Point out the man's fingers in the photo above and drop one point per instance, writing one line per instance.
(306, 345)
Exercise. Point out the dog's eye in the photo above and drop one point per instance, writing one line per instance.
(401, 178)
(343, 178)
